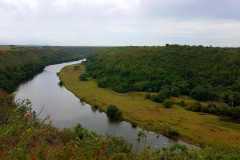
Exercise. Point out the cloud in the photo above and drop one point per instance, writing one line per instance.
(120, 22)
(191, 9)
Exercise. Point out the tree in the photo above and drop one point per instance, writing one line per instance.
(211, 108)
(200, 93)
(196, 107)
(221, 96)
(170, 90)
(83, 77)
(159, 97)
(231, 98)
(60, 83)
(167, 103)
(114, 112)
(236, 112)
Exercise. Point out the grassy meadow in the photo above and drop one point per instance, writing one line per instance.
(194, 127)
(5, 48)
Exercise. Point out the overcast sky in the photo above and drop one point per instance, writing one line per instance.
(120, 22)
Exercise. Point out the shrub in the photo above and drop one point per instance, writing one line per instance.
(178, 147)
(76, 67)
(67, 135)
(212, 108)
(196, 107)
(83, 77)
(23, 135)
(182, 103)
(224, 110)
(60, 83)
(167, 103)
(168, 130)
(236, 112)
(114, 112)
(158, 98)
(148, 96)
(134, 124)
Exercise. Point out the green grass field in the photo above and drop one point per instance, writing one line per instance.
(5, 48)
(195, 128)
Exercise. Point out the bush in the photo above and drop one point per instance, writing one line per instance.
(83, 77)
(168, 130)
(76, 67)
(224, 110)
(159, 97)
(212, 108)
(167, 103)
(196, 107)
(114, 112)
(236, 112)
(134, 124)
(148, 96)
(67, 135)
(25, 136)
(60, 83)
(182, 103)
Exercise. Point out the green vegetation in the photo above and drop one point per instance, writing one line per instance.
(134, 124)
(168, 130)
(204, 73)
(83, 77)
(60, 83)
(182, 103)
(76, 67)
(167, 103)
(236, 113)
(210, 75)
(21, 63)
(24, 136)
(193, 127)
(114, 112)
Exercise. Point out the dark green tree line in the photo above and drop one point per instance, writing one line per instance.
(23, 62)
(205, 73)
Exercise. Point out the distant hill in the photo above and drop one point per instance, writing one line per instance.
(19, 62)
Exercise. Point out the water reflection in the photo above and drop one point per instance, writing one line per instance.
(114, 121)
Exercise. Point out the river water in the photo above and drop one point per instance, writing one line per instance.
(67, 110)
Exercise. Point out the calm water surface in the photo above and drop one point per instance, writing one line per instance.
(67, 110)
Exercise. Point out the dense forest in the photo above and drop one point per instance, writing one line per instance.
(204, 73)
(19, 63)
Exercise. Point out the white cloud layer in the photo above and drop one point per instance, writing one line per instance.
(120, 22)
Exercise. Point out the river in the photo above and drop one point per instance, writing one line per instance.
(66, 110)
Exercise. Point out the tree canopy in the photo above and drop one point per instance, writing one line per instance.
(21, 63)
(205, 73)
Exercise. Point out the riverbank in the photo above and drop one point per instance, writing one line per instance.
(194, 128)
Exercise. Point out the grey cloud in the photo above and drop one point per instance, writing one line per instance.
(190, 9)
(6, 7)
(121, 22)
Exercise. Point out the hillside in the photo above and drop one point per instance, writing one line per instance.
(204, 73)
(19, 63)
